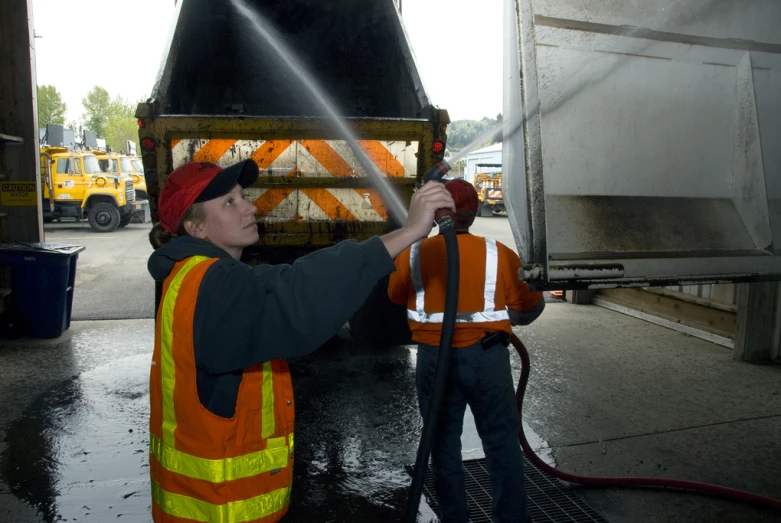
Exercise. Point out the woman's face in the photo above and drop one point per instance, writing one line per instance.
(229, 224)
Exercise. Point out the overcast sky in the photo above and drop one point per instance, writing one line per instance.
(118, 44)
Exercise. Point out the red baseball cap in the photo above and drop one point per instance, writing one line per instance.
(196, 182)
(465, 198)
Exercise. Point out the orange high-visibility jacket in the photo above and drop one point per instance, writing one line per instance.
(488, 286)
(204, 467)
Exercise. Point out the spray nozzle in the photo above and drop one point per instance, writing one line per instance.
(444, 217)
(436, 173)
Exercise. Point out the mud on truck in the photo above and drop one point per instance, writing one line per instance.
(223, 97)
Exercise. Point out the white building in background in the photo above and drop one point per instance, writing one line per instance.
(490, 155)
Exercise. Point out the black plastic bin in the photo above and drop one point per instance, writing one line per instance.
(42, 280)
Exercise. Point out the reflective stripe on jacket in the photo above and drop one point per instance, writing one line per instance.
(487, 315)
(488, 286)
(204, 467)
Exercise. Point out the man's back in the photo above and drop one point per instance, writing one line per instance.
(488, 286)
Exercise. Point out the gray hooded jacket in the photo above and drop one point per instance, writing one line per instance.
(246, 315)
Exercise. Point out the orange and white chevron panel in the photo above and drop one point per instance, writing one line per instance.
(307, 158)
(494, 193)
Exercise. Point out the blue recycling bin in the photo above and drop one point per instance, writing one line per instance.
(42, 280)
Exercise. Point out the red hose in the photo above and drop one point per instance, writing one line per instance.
(706, 488)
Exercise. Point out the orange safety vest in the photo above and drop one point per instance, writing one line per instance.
(488, 286)
(487, 315)
(204, 467)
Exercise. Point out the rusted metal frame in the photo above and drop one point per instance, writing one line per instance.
(537, 266)
(581, 284)
(316, 234)
(163, 129)
(250, 127)
(325, 182)
(659, 36)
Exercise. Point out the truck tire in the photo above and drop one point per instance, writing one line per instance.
(125, 219)
(486, 211)
(103, 217)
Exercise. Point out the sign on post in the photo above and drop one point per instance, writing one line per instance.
(18, 194)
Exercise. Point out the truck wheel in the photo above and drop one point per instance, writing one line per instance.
(485, 211)
(125, 219)
(103, 217)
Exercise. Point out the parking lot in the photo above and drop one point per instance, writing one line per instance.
(111, 277)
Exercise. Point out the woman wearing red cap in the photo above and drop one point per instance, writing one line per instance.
(491, 299)
(221, 421)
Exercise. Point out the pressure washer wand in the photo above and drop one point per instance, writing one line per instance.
(437, 172)
(443, 217)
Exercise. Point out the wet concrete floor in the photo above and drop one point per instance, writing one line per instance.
(78, 450)
(652, 402)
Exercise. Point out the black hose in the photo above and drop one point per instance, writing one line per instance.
(440, 375)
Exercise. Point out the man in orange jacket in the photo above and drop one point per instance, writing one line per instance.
(491, 299)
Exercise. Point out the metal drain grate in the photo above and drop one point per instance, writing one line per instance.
(549, 500)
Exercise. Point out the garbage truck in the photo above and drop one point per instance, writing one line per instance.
(641, 145)
(224, 95)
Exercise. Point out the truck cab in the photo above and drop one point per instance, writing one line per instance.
(74, 186)
(137, 174)
(488, 184)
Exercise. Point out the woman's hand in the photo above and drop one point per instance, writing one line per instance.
(425, 203)
(420, 220)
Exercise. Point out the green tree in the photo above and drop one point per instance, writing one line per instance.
(462, 133)
(97, 105)
(51, 108)
(122, 124)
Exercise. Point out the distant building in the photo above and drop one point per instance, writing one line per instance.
(488, 155)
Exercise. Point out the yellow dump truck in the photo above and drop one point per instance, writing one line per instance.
(230, 100)
(488, 185)
(75, 187)
(139, 182)
(122, 166)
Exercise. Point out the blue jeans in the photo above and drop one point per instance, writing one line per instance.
(482, 379)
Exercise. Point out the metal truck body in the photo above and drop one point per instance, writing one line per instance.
(648, 151)
(222, 96)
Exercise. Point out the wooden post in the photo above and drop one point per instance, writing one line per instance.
(19, 116)
(754, 336)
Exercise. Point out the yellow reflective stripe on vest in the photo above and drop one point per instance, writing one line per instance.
(167, 369)
(267, 414)
(251, 509)
(276, 456)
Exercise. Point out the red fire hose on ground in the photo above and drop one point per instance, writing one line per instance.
(693, 486)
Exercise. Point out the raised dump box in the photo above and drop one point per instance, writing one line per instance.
(649, 152)
(224, 95)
